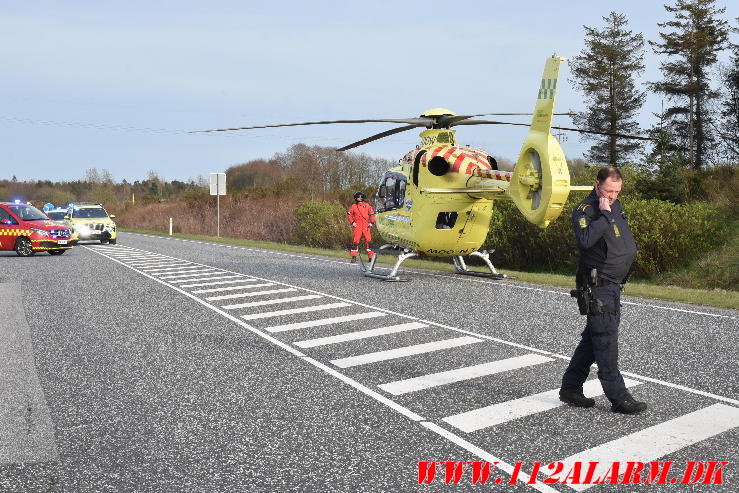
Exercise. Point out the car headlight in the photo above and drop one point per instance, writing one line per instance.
(110, 228)
(41, 232)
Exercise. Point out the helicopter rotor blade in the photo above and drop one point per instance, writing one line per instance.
(419, 121)
(378, 136)
(450, 121)
(569, 129)
(426, 121)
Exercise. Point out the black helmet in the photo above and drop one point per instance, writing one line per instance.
(359, 194)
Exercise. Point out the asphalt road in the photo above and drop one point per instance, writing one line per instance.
(170, 365)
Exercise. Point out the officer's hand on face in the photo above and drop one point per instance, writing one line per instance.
(605, 204)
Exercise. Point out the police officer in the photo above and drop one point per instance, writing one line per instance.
(607, 250)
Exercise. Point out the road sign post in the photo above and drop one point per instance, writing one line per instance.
(218, 188)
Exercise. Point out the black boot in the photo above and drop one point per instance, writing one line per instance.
(628, 405)
(575, 398)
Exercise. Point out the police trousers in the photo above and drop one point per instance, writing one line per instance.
(599, 344)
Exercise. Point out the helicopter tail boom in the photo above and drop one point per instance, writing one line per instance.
(540, 182)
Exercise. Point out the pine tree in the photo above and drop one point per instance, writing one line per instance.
(697, 36)
(604, 72)
(729, 126)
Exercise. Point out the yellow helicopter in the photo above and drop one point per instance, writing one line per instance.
(438, 202)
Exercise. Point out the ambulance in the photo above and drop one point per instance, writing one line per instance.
(27, 230)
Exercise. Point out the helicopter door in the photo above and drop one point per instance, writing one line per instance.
(470, 222)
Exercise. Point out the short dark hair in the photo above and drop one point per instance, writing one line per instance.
(609, 172)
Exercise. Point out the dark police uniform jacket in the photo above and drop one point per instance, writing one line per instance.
(604, 239)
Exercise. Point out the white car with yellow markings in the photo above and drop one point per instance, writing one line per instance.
(91, 222)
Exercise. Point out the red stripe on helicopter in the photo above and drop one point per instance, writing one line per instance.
(480, 159)
(470, 168)
(434, 153)
(458, 163)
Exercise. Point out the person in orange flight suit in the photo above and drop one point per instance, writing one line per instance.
(361, 216)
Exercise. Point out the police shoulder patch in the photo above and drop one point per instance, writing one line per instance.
(583, 222)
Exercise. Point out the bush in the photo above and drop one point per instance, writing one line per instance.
(668, 236)
(322, 224)
(520, 245)
(671, 235)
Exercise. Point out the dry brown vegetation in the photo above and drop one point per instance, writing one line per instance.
(264, 219)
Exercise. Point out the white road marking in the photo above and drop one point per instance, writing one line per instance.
(127, 257)
(402, 352)
(659, 440)
(496, 414)
(424, 382)
(360, 334)
(324, 321)
(155, 263)
(210, 278)
(191, 274)
(140, 258)
(179, 268)
(271, 302)
(177, 271)
(291, 311)
(240, 295)
(216, 283)
(228, 288)
(262, 293)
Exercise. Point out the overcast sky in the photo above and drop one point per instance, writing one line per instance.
(116, 85)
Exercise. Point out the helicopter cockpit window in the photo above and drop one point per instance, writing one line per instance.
(390, 193)
(380, 198)
(400, 194)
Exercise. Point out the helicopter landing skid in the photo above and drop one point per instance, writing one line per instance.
(369, 270)
(461, 266)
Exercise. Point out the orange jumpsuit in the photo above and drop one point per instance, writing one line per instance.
(360, 216)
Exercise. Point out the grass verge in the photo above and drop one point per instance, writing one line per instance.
(719, 298)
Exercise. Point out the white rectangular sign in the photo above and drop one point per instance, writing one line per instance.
(218, 183)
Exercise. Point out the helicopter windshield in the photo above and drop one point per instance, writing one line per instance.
(391, 192)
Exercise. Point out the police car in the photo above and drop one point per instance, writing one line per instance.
(27, 230)
(91, 222)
